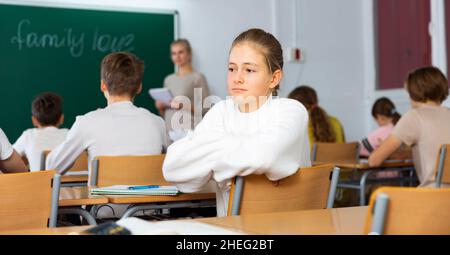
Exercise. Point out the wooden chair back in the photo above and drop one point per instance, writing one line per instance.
(128, 170)
(25, 200)
(307, 189)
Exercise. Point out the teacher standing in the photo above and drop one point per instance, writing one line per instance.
(182, 83)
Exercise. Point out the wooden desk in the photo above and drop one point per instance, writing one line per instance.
(74, 180)
(72, 198)
(365, 166)
(162, 202)
(77, 196)
(366, 170)
(125, 199)
(340, 221)
(47, 231)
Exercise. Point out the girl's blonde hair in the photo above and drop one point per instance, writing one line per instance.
(269, 46)
(185, 43)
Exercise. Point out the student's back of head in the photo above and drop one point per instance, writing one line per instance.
(384, 107)
(46, 110)
(322, 129)
(122, 74)
(427, 84)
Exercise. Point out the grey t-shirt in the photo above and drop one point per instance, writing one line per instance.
(425, 129)
(184, 86)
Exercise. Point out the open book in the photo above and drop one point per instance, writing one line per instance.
(136, 190)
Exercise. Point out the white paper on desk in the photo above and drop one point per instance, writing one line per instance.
(161, 94)
(173, 227)
(77, 173)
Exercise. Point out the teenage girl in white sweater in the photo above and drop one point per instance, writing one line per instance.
(249, 133)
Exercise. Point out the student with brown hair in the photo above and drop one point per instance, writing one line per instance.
(46, 116)
(386, 116)
(425, 127)
(119, 129)
(249, 133)
(322, 128)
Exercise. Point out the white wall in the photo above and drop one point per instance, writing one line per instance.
(331, 34)
(336, 36)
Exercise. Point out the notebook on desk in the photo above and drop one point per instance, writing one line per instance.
(136, 190)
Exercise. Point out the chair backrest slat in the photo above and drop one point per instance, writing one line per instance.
(80, 164)
(411, 211)
(335, 152)
(25, 200)
(307, 189)
(128, 170)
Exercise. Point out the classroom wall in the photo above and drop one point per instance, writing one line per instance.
(331, 35)
(338, 41)
(209, 25)
(335, 37)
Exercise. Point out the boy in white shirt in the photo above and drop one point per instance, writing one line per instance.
(10, 160)
(47, 116)
(119, 129)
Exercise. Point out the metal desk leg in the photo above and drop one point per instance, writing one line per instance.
(362, 187)
(94, 211)
(78, 211)
(132, 210)
(135, 208)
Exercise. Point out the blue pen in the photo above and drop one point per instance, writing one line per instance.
(143, 187)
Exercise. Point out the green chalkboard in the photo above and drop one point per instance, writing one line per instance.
(60, 50)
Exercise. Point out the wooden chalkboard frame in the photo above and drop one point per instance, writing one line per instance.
(97, 7)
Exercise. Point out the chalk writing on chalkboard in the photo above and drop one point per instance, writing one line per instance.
(74, 41)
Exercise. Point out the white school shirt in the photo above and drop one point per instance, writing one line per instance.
(272, 141)
(6, 149)
(34, 141)
(120, 129)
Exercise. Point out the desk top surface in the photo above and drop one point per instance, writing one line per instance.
(76, 196)
(130, 199)
(364, 165)
(340, 221)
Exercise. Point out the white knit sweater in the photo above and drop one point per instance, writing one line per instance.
(272, 140)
